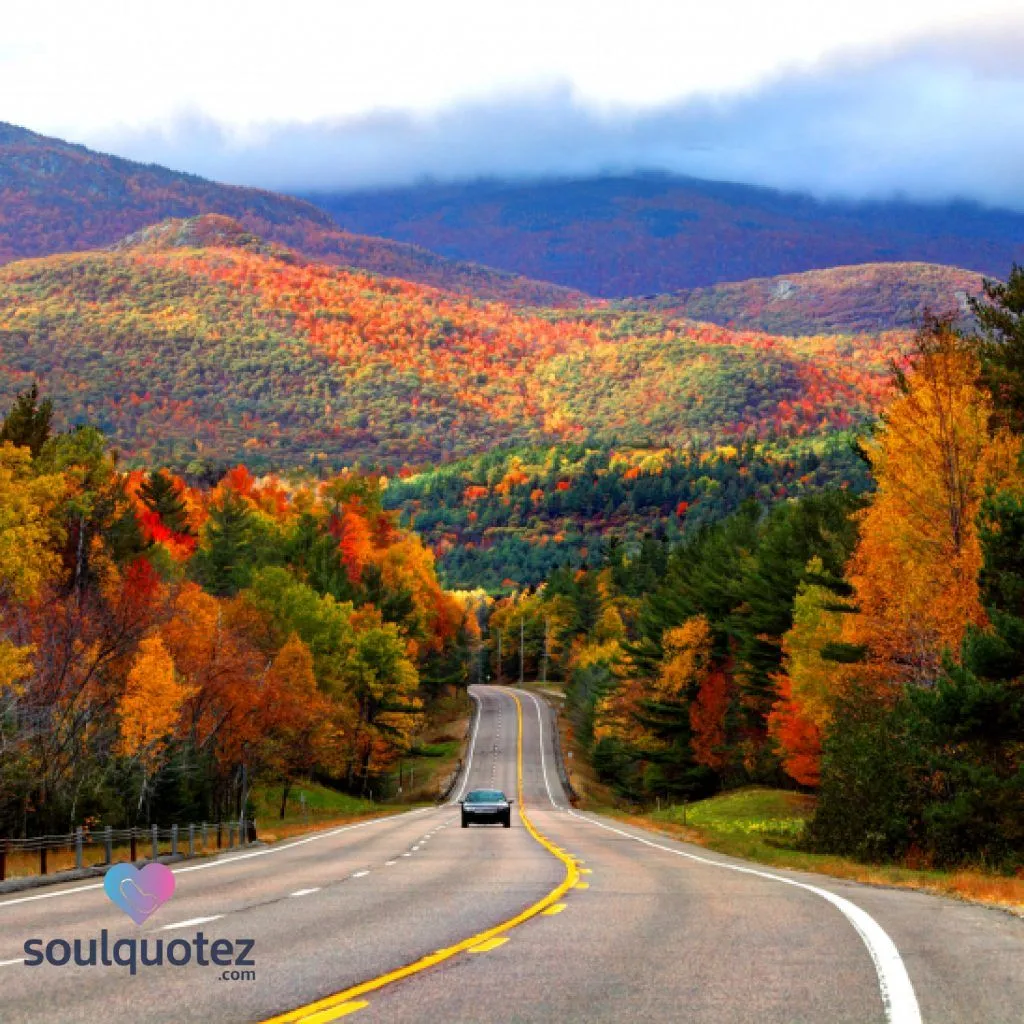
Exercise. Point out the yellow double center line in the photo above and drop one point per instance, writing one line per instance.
(333, 1007)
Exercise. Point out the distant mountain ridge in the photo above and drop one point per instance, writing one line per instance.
(861, 299)
(651, 233)
(58, 197)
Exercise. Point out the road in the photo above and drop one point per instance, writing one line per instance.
(622, 925)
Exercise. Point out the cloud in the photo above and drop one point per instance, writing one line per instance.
(937, 119)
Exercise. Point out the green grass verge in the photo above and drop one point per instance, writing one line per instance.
(321, 802)
(765, 825)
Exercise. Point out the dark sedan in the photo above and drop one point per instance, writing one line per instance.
(486, 806)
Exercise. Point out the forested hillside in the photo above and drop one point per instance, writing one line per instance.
(509, 518)
(650, 233)
(846, 300)
(866, 647)
(163, 648)
(196, 342)
(56, 197)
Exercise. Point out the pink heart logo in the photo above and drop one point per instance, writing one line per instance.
(139, 892)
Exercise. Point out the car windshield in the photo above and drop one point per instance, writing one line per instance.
(485, 796)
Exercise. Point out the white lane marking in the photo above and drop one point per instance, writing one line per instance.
(472, 744)
(191, 922)
(228, 860)
(415, 848)
(406, 854)
(305, 892)
(359, 874)
(898, 996)
(10, 963)
(543, 760)
(390, 863)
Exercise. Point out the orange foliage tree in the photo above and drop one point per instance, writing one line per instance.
(915, 569)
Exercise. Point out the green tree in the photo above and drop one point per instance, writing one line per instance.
(222, 563)
(1000, 319)
(27, 424)
(160, 494)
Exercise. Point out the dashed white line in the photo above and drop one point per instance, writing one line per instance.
(359, 874)
(390, 863)
(221, 861)
(10, 963)
(305, 892)
(191, 922)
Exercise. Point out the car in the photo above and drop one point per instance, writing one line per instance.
(484, 806)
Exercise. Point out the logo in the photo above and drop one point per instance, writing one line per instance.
(139, 892)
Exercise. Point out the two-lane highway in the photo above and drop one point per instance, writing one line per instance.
(325, 912)
(651, 929)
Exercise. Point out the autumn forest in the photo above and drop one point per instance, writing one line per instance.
(264, 505)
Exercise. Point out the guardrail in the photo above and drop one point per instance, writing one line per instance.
(563, 771)
(177, 840)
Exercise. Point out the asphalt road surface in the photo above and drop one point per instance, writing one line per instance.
(621, 925)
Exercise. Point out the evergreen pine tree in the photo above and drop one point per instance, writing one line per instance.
(27, 425)
(221, 564)
(159, 493)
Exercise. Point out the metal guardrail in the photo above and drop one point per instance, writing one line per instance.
(180, 840)
(563, 771)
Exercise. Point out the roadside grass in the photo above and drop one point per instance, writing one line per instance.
(437, 749)
(765, 825)
(324, 807)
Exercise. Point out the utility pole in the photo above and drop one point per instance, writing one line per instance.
(547, 649)
(522, 627)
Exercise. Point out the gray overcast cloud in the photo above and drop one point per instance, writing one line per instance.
(939, 118)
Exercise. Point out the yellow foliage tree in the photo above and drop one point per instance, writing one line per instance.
(815, 682)
(686, 661)
(916, 566)
(151, 706)
(27, 532)
(28, 555)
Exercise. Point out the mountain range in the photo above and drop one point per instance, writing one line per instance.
(256, 329)
(649, 233)
(196, 338)
(59, 197)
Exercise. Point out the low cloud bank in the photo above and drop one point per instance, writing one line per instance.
(940, 119)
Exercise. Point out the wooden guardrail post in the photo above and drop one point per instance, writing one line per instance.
(79, 852)
(4, 846)
(133, 842)
(108, 845)
(42, 859)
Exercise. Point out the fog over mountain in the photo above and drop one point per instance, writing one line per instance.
(938, 118)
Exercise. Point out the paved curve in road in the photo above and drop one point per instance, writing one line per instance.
(657, 931)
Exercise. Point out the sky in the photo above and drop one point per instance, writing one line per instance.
(920, 98)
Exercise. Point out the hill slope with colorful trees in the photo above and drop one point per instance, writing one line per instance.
(57, 197)
(867, 648)
(845, 300)
(508, 519)
(647, 233)
(197, 340)
(163, 648)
